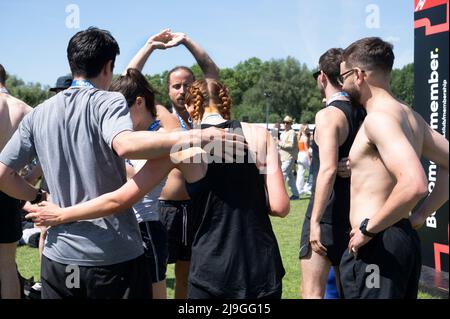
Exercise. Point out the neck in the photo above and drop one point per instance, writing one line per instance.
(147, 121)
(331, 90)
(371, 100)
(97, 82)
(212, 116)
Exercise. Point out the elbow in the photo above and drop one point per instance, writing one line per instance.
(328, 172)
(421, 189)
(281, 209)
(122, 146)
(418, 189)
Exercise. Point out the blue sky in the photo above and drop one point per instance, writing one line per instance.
(34, 33)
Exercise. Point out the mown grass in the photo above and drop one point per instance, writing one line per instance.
(287, 231)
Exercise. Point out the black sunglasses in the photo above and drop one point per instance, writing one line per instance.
(346, 74)
(316, 74)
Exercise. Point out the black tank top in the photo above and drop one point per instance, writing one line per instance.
(338, 207)
(234, 253)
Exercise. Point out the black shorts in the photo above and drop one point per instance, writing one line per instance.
(197, 292)
(334, 237)
(387, 267)
(127, 280)
(177, 217)
(154, 236)
(10, 219)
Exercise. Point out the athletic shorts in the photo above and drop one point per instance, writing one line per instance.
(334, 237)
(387, 267)
(177, 217)
(126, 280)
(197, 292)
(154, 236)
(10, 219)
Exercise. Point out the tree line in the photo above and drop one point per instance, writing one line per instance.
(283, 86)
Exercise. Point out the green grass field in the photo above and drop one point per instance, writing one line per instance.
(287, 230)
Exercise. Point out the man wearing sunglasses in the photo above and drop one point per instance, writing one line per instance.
(326, 228)
(288, 155)
(387, 180)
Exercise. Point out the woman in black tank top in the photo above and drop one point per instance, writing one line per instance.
(235, 253)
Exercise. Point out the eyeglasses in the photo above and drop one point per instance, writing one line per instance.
(287, 122)
(342, 77)
(316, 74)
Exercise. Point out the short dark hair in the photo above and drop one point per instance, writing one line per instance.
(89, 50)
(371, 53)
(2, 75)
(185, 68)
(132, 85)
(330, 64)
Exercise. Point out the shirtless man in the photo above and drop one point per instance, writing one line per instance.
(383, 259)
(12, 111)
(175, 206)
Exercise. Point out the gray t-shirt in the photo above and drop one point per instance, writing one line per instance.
(72, 135)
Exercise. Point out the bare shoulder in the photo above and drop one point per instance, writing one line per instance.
(330, 117)
(14, 106)
(377, 121)
(168, 120)
(20, 105)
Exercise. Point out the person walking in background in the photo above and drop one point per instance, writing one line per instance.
(303, 159)
(288, 148)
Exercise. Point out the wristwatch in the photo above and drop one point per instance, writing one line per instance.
(363, 229)
(40, 196)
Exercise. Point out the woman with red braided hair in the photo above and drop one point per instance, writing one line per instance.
(235, 254)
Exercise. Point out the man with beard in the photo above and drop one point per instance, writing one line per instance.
(387, 179)
(326, 227)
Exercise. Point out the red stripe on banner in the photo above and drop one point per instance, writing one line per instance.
(420, 5)
(425, 22)
(438, 250)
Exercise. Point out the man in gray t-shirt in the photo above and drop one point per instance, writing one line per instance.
(72, 134)
(80, 136)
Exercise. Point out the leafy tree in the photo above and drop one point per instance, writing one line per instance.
(402, 83)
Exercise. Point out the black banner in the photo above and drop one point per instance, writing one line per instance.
(431, 57)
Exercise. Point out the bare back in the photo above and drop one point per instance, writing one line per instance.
(372, 181)
(12, 111)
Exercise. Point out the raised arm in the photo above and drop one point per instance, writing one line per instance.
(151, 174)
(158, 41)
(435, 149)
(209, 68)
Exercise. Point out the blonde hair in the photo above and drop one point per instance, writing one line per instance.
(203, 93)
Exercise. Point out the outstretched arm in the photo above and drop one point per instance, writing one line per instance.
(151, 174)
(435, 149)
